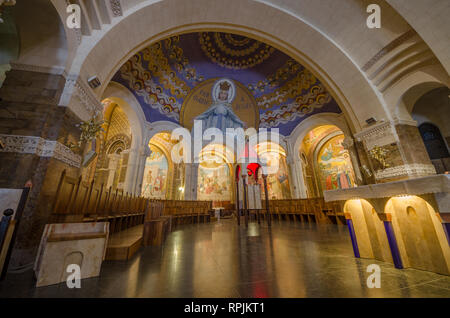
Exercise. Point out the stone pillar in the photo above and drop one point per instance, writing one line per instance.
(238, 209)
(406, 155)
(33, 131)
(298, 177)
(113, 169)
(144, 152)
(244, 183)
(191, 175)
(349, 145)
(291, 173)
(266, 198)
(132, 169)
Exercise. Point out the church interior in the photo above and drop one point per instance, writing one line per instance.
(224, 149)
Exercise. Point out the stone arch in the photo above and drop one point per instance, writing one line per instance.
(168, 173)
(295, 141)
(225, 185)
(299, 133)
(409, 90)
(44, 45)
(157, 127)
(347, 87)
(118, 94)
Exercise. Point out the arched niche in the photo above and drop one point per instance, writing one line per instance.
(325, 162)
(428, 104)
(110, 166)
(273, 156)
(156, 171)
(420, 235)
(118, 94)
(162, 179)
(434, 142)
(215, 175)
(369, 230)
(333, 163)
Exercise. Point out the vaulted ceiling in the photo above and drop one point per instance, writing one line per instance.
(162, 75)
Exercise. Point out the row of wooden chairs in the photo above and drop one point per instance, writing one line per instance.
(188, 212)
(79, 201)
(312, 210)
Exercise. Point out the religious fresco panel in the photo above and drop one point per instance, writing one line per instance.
(277, 183)
(214, 181)
(335, 166)
(154, 184)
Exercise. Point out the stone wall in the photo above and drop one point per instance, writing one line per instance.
(33, 130)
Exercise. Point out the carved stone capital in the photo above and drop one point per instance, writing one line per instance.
(378, 135)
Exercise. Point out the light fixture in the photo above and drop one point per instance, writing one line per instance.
(94, 82)
(371, 121)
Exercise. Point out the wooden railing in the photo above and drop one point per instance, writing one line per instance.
(187, 212)
(306, 210)
(79, 201)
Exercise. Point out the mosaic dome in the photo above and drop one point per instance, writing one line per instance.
(162, 75)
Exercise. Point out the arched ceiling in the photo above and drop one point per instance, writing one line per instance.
(162, 75)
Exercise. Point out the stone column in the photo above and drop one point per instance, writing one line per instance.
(299, 179)
(244, 183)
(144, 152)
(266, 198)
(132, 167)
(406, 155)
(191, 175)
(349, 145)
(291, 179)
(113, 169)
(238, 209)
(33, 131)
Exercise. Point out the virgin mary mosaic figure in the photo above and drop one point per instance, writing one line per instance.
(220, 114)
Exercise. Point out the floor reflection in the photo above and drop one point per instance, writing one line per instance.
(224, 260)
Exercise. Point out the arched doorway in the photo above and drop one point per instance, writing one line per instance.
(433, 141)
(214, 179)
(326, 163)
(109, 152)
(161, 178)
(431, 112)
(274, 156)
(335, 170)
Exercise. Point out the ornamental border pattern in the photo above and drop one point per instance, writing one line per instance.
(406, 170)
(40, 147)
(380, 135)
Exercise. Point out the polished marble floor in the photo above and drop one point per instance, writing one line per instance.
(222, 260)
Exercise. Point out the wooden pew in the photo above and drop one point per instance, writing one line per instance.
(63, 207)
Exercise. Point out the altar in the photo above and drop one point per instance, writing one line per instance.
(406, 223)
